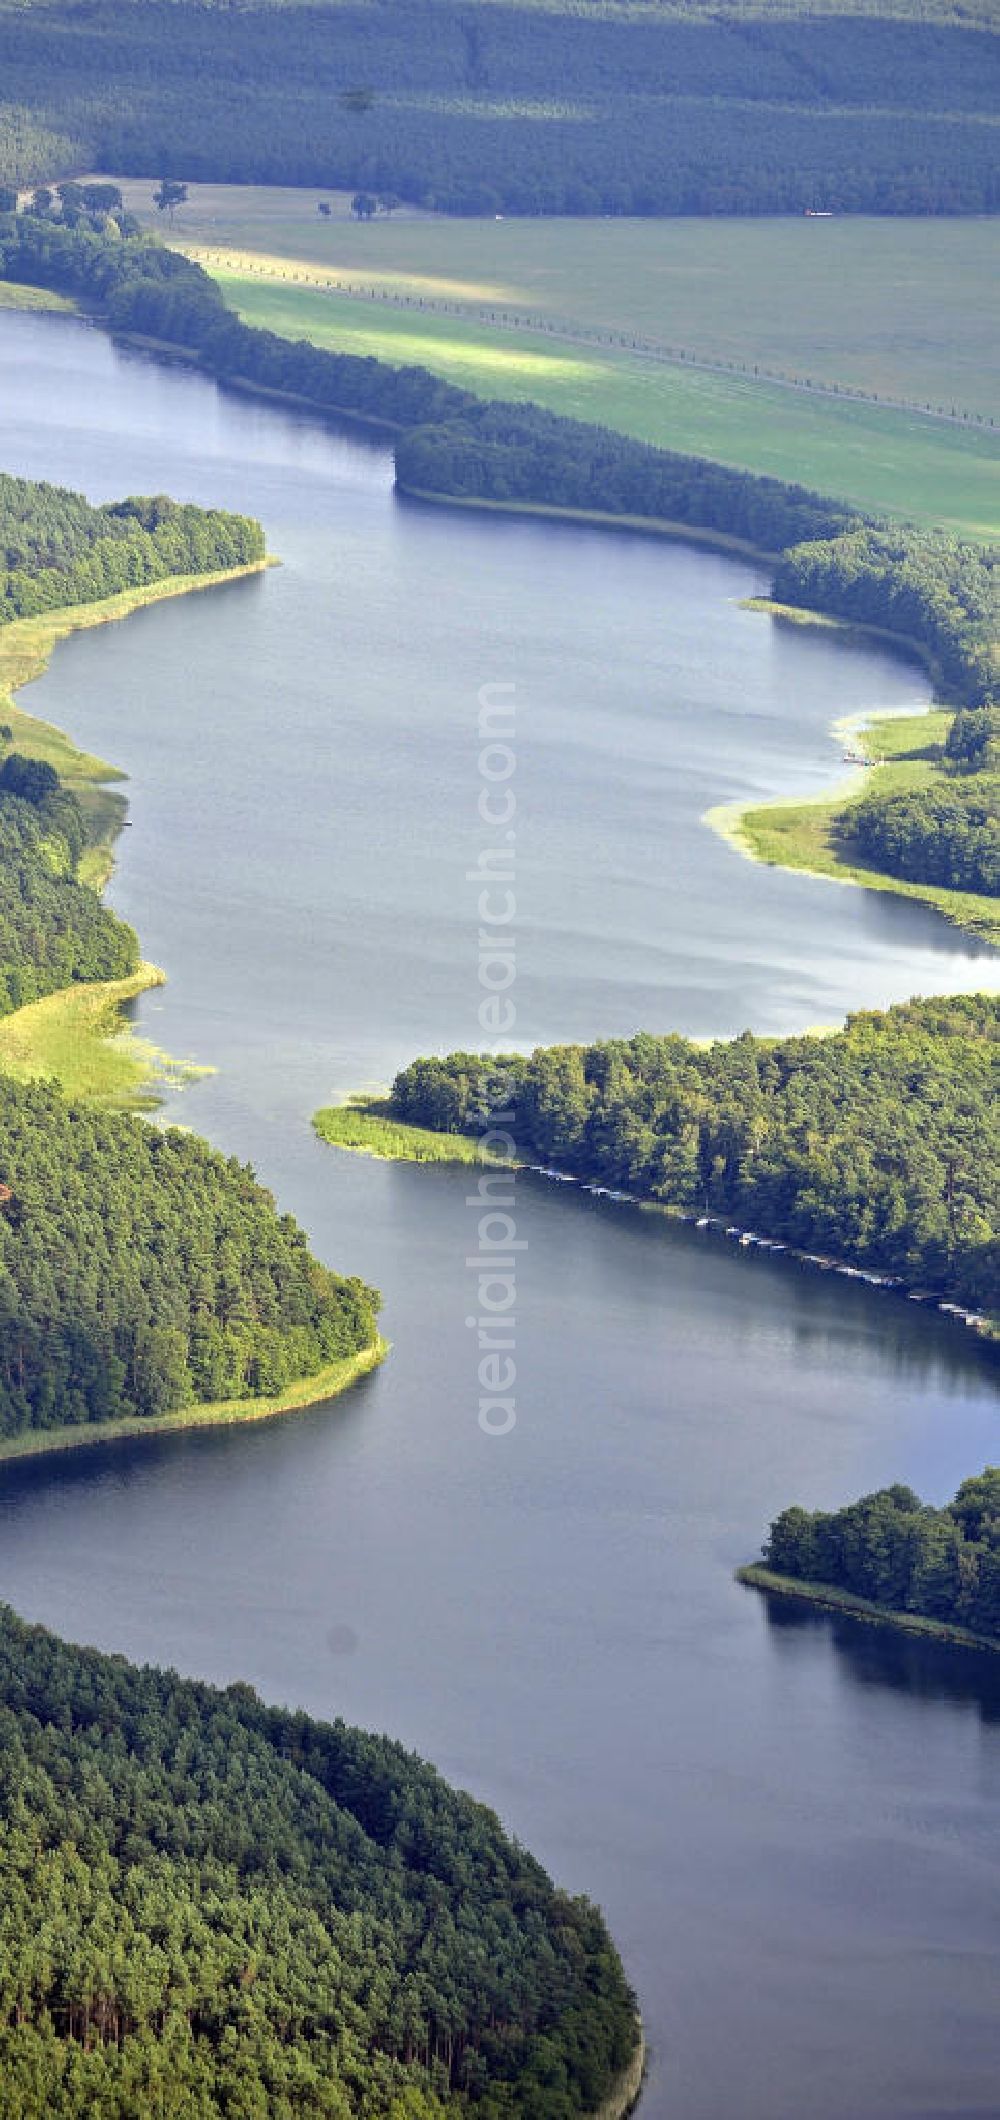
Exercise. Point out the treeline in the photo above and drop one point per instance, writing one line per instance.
(211, 1906)
(879, 1145)
(514, 453)
(897, 1551)
(941, 593)
(56, 550)
(54, 929)
(140, 1271)
(526, 109)
(946, 835)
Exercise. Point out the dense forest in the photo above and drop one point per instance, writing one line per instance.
(517, 453)
(140, 1270)
(757, 106)
(896, 1551)
(946, 835)
(55, 549)
(879, 1144)
(937, 591)
(213, 1907)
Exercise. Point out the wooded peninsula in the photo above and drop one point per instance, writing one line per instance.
(877, 1144)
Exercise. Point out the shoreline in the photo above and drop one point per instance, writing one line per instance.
(985, 1327)
(601, 518)
(188, 356)
(400, 1141)
(826, 1597)
(26, 649)
(626, 2093)
(327, 1383)
(800, 835)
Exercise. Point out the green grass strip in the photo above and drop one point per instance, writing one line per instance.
(828, 1598)
(367, 1126)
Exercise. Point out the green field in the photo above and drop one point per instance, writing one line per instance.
(931, 471)
(908, 310)
(903, 308)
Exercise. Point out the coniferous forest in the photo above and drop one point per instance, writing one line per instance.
(756, 106)
(208, 1906)
(140, 1271)
(211, 1907)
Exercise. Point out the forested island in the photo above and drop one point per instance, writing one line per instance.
(876, 1145)
(212, 1906)
(757, 106)
(894, 1557)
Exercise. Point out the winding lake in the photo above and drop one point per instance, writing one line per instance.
(791, 1825)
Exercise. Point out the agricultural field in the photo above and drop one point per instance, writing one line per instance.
(907, 311)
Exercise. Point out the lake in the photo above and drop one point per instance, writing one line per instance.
(791, 1823)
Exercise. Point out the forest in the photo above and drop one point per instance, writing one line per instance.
(878, 1144)
(897, 1551)
(539, 107)
(141, 1271)
(946, 835)
(937, 591)
(54, 929)
(514, 453)
(214, 1907)
(56, 549)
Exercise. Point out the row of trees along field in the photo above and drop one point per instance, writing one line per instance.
(897, 1551)
(765, 107)
(141, 1271)
(879, 1144)
(213, 1907)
